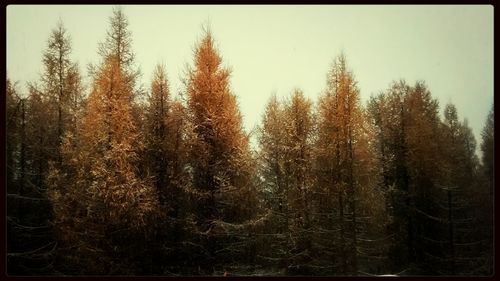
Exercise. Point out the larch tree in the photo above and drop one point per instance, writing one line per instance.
(271, 156)
(459, 179)
(166, 158)
(102, 203)
(13, 125)
(27, 156)
(387, 112)
(422, 139)
(130, 182)
(487, 148)
(298, 127)
(286, 136)
(486, 192)
(346, 169)
(158, 131)
(40, 146)
(61, 84)
(273, 247)
(222, 189)
(118, 43)
(461, 163)
(48, 113)
(15, 171)
(53, 105)
(178, 178)
(408, 140)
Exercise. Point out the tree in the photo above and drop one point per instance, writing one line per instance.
(286, 137)
(387, 112)
(271, 154)
(422, 140)
(274, 245)
(166, 155)
(486, 194)
(15, 172)
(51, 108)
(101, 196)
(44, 116)
(456, 207)
(487, 146)
(13, 123)
(298, 129)
(178, 178)
(48, 111)
(118, 43)
(61, 86)
(461, 162)
(219, 156)
(158, 131)
(409, 145)
(345, 166)
(30, 244)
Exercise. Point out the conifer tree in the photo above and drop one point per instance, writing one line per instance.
(61, 83)
(487, 148)
(485, 196)
(102, 204)
(13, 123)
(298, 127)
(461, 255)
(158, 131)
(408, 129)
(219, 156)
(346, 167)
(118, 43)
(166, 156)
(275, 245)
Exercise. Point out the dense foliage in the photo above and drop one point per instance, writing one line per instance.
(114, 179)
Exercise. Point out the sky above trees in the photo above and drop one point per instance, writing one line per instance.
(274, 49)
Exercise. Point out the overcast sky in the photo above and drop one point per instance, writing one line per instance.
(279, 48)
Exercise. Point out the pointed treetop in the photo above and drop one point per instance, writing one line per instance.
(450, 113)
(118, 39)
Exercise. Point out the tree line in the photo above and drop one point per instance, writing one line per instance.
(112, 178)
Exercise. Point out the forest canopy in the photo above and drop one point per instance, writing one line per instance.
(114, 178)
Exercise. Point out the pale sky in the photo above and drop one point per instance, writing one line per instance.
(274, 48)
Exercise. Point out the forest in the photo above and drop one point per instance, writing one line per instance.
(111, 178)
